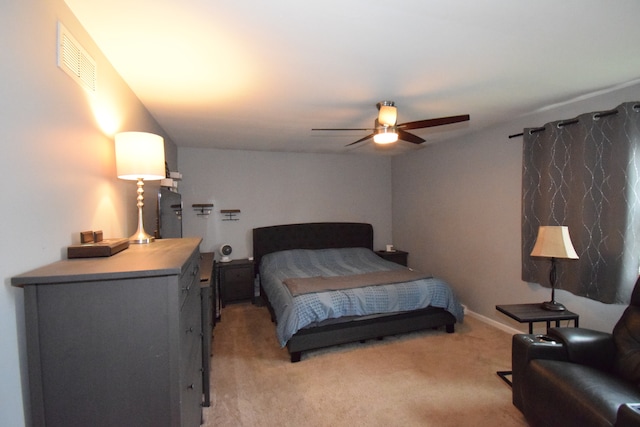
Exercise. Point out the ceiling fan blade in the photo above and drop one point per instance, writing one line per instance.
(360, 140)
(406, 136)
(434, 122)
(344, 129)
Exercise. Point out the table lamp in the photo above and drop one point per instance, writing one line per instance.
(139, 157)
(553, 242)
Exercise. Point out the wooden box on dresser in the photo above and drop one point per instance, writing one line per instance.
(116, 341)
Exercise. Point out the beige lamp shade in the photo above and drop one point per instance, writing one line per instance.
(140, 155)
(388, 115)
(385, 135)
(554, 242)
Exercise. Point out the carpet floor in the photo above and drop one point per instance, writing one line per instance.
(427, 378)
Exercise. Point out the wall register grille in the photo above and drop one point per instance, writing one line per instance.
(75, 61)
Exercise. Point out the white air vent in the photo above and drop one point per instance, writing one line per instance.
(75, 61)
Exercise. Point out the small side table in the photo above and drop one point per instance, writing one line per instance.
(533, 313)
(399, 257)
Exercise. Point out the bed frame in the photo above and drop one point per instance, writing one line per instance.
(322, 235)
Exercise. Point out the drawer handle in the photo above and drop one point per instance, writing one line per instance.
(191, 386)
(190, 330)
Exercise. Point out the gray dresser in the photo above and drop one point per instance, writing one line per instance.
(116, 341)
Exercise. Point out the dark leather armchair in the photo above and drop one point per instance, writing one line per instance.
(580, 377)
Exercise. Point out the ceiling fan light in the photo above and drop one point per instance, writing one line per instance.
(388, 115)
(385, 135)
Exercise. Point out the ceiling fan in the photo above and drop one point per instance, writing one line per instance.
(386, 131)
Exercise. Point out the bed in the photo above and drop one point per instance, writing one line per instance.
(291, 259)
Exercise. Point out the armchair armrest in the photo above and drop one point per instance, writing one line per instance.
(628, 415)
(524, 349)
(586, 347)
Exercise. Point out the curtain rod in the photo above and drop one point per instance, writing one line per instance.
(563, 123)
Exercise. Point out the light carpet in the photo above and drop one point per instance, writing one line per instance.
(427, 378)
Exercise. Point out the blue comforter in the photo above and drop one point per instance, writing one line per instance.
(295, 313)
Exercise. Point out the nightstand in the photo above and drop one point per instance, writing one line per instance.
(235, 280)
(399, 257)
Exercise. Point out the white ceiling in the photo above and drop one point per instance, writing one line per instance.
(258, 75)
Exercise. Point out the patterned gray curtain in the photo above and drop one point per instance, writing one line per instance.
(585, 173)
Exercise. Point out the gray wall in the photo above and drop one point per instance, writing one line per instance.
(457, 206)
(57, 164)
(281, 188)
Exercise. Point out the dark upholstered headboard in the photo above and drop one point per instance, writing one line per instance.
(314, 235)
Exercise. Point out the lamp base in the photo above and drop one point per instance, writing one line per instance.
(141, 237)
(552, 306)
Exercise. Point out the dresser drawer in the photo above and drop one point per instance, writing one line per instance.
(191, 367)
(189, 279)
(190, 380)
(240, 274)
(191, 395)
(190, 320)
(191, 359)
(190, 325)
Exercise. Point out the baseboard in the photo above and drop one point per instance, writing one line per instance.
(495, 324)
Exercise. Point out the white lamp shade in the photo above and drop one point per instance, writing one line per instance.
(385, 135)
(388, 115)
(140, 155)
(554, 242)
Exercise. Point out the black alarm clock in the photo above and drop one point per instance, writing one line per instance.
(225, 251)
